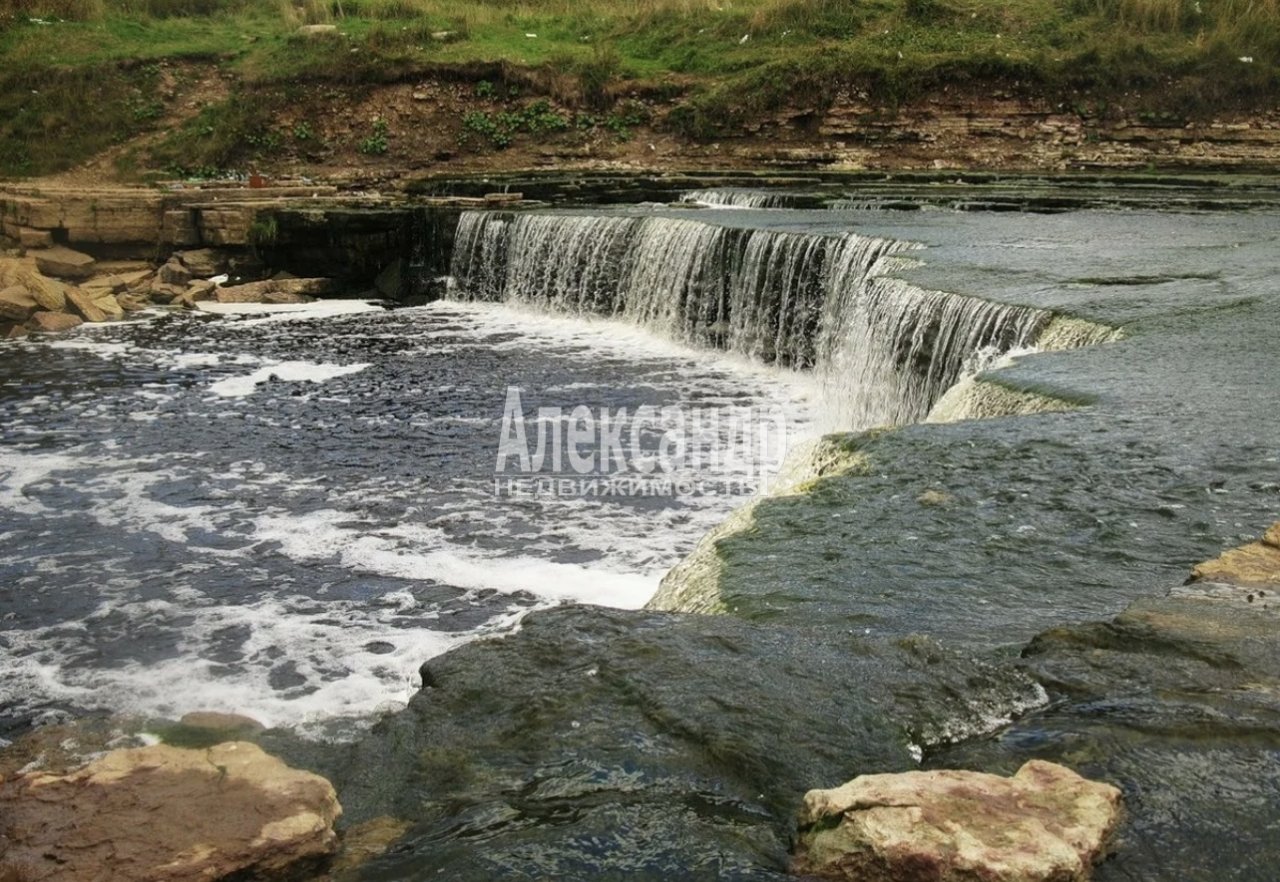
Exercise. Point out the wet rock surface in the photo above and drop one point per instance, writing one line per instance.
(599, 742)
(1176, 700)
(162, 813)
(1044, 823)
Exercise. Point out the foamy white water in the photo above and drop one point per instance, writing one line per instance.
(287, 521)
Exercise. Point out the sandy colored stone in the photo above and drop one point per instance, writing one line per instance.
(110, 306)
(17, 304)
(1045, 823)
(109, 284)
(162, 814)
(204, 262)
(136, 279)
(29, 238)
(1255, 565)
(84, 306)
(63, 263)
(54, 322)
(49, 293)
(280, 291)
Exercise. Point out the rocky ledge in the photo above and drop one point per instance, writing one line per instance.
(57, 288)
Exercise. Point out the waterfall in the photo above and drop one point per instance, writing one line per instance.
(736, 198)
(884, 350)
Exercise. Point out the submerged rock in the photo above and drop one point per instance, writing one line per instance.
(1044, 824)
(156, 814)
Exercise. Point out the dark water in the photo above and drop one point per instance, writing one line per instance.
(178, 536)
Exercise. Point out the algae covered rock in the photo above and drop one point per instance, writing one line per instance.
(603, 743)
(1044, 824)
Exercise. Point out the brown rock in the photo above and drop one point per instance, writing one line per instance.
(174, 273)
(84, 306)
(201, 289)
(61, 262)
(29, 238)
(48, 293)
(165, 293)
(161, 814)
(204, 262)
(110, 306)
(53, 322)
(10, 331)
(131, 303)
(256, 292)
(1045, 823)
(1256, 565)
(16, 304)
(104, 285)
(279, 297)
(137, 279)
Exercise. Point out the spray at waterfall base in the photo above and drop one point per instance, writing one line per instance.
(646, 451)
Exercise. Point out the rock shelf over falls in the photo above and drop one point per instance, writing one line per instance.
(886, 349)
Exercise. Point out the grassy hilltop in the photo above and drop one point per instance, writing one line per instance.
(79, 76)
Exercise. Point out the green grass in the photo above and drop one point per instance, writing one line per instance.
(731, 61)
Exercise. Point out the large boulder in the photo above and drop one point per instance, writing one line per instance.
(162, 814)
(53, 322)
(174, 273)
(63, 263)
(205, 262)
(49, 293)
(1044, 823)
(16, 304)
(84, 306)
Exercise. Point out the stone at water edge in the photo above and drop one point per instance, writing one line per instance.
(63, 263)
(162, 814)
(174, 273)
(109, 305)
(84, 306)
(1045, 824)
(54, 322)
(1255, 565)
(204, 262)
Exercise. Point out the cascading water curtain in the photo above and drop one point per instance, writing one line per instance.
(885, 350)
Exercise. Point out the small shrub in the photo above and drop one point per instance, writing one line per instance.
(376, 144)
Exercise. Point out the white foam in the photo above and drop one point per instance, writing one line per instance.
(291, 311)
(289, 371)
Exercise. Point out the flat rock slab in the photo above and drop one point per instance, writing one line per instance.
(162, 814)
(1254, 565)
(64, 263)
(1044, 823)
(54, 322)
